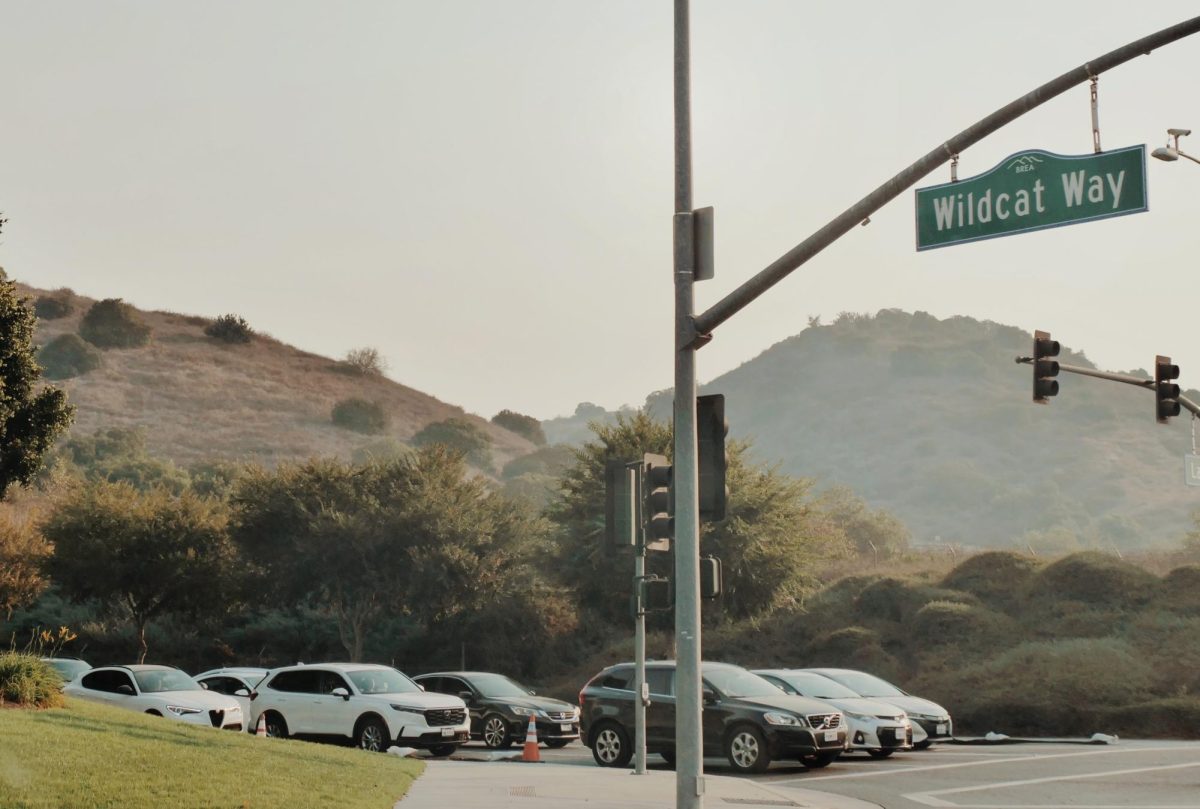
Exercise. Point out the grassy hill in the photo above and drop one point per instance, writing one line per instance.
(96, 756)
(197, 398)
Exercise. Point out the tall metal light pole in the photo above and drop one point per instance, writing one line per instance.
(689, 760)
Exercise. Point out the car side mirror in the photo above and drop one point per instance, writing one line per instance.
(126, 689)
(341, 692)
(420, 686)
(242, 692)
(204, 686)
(710, 696)
(465, 695)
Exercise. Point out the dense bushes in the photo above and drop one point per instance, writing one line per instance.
(360, 415)
(1094, 578)
(230, 329)
(53, 306)
(525, 426)
(112, 323)
(26, 681)
(460, 435)
(66, 356)
(997, 578)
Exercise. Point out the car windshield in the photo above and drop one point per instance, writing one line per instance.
(866, 685)
(498, 686)
(69, 669)
(381, 681)
(816, 686)
(150, 682)
(734, 682)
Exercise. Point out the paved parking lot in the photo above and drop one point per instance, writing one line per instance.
(1127, 775)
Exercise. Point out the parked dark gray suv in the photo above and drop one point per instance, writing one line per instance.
(746, 719)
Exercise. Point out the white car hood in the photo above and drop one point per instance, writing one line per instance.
(421, 699)
(206, 700)
(916, 705)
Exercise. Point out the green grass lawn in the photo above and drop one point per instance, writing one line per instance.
(88, 755)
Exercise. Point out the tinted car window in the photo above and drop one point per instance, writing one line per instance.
(734, 682)
(303, 681)
(224, 685)
(498, 686)
(661, 681)
(110, 681)
(151, 682)
(864, 684)
(330, 680)
(814, 685)
(618, 678)
(383, 681)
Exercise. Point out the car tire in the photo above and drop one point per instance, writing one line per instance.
(611, 746)
(815, 761)
(372, 735)
(880, 753)
(925, 745)
(557, 743)
(276, 725)
(746, 749)
(495, 732)
(443, 750)
(153, 712)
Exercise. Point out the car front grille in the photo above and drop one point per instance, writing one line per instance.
(445, 716)
(825, 721)
(561, 716)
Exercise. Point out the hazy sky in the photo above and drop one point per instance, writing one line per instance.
(482, 190)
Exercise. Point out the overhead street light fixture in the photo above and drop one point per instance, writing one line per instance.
(1171, 151)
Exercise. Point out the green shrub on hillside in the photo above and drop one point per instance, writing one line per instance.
(1171, 644)
(522, 425)
(360, 415)
(1175, 717)
(67, 356)
(997, 578)
(460, 435)
(1180, 590)
(1094, 578)
(852, 647)
(941, 623)
(112, 323)
(230, 329)
(53, 306)
(26, 681)
(897, 600)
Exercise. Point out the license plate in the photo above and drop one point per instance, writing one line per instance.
(901, 733)
(447, 731)
(831, 735)
(941, 729)
(567, 726)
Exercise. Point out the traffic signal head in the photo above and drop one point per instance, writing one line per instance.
(654, 594)
(657, 504)
(1044, 368)
(1166, 392)
(620, 505)
(711, 429)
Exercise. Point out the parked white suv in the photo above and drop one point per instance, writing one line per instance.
(375, 706)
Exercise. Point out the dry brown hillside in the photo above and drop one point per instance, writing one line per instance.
(197, 398)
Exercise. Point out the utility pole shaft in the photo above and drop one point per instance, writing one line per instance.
(639, 642)
(689, 760)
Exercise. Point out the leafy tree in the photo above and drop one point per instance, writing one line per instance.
(875, 534)
(147, 553)
(522, 425)
(366, 361)
(22, 552)
(230, 329)
(461, 435)
(31, 417)
(414, 535)
(119, 455)
(112, 323)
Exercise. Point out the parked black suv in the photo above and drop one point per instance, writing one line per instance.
(500, 708)
(746, 719)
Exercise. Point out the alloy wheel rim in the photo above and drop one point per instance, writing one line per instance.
(494, 732)
(372, 738)
(608, 746)
(745, 749)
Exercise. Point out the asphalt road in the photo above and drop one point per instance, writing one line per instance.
(1126, 775)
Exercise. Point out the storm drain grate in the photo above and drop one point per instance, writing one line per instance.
(521, 792)
(760, 802)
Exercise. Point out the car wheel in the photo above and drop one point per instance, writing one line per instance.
(815, 761)
(557, 743)
(879, 753)
(153, 712)
(372, 735)
(746, 749)
(495, 732)
(922, 745)
(442, 750)
(610, 746)
(276, 726)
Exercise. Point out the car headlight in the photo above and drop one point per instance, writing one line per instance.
(576, 712)
(182, 710)
(779, 718)
(931, 717)
(519, 711)
(901, 718)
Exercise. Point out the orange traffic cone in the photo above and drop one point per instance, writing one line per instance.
(261, 728)
(530, 753)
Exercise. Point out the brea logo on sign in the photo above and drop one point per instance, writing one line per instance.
(1030, 191)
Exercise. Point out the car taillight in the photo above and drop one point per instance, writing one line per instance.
(581, 699)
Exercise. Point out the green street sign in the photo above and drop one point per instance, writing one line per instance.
(1032, 190)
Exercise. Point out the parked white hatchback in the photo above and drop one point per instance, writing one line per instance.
(374, 706)
(158, 690)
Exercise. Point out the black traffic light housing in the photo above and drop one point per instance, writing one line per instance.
(1044, 368)
(711, 429)
(620, 505)
(657, 503)
(654, 594)
(1166, 392)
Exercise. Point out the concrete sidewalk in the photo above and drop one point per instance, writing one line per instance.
(504, 784)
